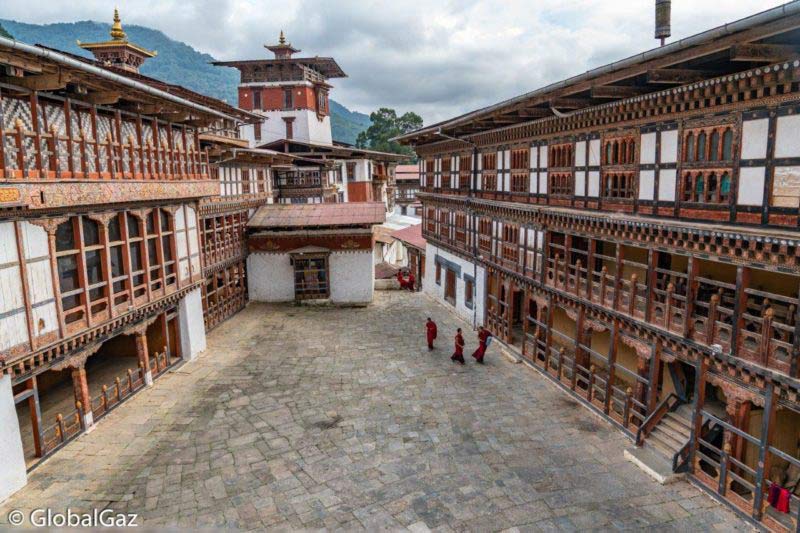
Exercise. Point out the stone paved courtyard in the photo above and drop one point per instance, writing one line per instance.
(303, 418)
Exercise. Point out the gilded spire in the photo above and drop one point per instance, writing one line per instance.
(116, 29)
(282, 38)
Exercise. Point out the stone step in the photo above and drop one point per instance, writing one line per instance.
(679, 418)
(673, 439)
(665, 448)
(656, 465)
(676, 427)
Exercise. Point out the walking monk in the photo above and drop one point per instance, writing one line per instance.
(400, 279)
(430, 332)
(411, 281)
(483, 337)
(458, 354)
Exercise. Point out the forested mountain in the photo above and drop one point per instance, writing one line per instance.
(176, 62)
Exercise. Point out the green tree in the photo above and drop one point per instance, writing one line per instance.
(385, 126)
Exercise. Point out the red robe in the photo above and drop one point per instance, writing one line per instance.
(458, 354)
(410, 282)
(430, 332)
(481, 351)
(400, 280)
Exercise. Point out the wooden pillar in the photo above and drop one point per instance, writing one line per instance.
(144, 356)
(740, 306)
(612, 360)
(36, 416)
(691, 294)
(654, 376)
(80, 387)
(701, 375)
(764, 458)
(652, 262)
(620, 257)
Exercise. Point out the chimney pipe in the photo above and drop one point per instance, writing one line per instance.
(663, 15)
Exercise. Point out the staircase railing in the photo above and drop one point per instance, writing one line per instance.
(666, 405)
(680, 461)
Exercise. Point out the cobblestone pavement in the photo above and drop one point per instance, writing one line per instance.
(304, 418)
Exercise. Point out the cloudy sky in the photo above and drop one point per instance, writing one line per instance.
(438, 58)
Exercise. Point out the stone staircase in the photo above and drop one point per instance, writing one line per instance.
(670, 435)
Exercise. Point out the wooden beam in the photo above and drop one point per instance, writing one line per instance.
(102, 97)
(768, 53)
(678, 76)
(535, 112)
(570, 103)
(40, 82)
(617, 91)
(19, 62)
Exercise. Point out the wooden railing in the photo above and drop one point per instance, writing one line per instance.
(648, 424)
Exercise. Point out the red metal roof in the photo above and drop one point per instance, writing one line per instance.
(406, 172)
(411, 235)
(318, 215)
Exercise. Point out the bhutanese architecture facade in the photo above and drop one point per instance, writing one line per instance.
(633, 233)
(123, 207)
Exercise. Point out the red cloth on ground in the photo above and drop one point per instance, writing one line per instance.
(784, 497)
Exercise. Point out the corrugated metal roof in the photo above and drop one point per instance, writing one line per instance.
(411, 235)
(318, 215)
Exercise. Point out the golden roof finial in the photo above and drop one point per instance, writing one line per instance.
(282, 39)
(116, 29)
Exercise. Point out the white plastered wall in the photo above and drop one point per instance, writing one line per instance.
(352, 277)
(192, 326)
(430, 287)
(270, 277)
(13, 474)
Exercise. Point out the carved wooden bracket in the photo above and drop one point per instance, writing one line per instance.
(79, 359)
(140, 328)
(734, 394)
(643, 350)
(49, 224)
(102, 218)
(592, 325)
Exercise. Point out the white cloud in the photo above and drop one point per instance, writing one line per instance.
(436, 58)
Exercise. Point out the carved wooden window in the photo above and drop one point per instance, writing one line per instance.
(520, 170)
(445, 180)
(489, 174)
(465, 172)
(618, 185)
(69, 263)
(430, 166)
(444, 225)
(461, 228)
(485, 235)
(561, 183)
(708, 187)
(713, 143)
(619, 151)
(561, 155)
(430, 220)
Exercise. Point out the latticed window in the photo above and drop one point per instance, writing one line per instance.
(561, 155)
(465, 172)
(619, 151)
(618, 185)
(461, 228)
(430, 165)
(489, 174)
(708, 144)
(446, 164)
(561, 183)
(485, 235)
(707, 187)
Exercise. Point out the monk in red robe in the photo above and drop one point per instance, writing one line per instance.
(400, 279)
(483, 336)
(411, 281)
(430, 332)
(458, 354)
